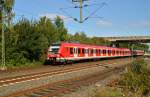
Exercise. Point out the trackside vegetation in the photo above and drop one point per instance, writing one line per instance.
(134, 83)
(27, 41)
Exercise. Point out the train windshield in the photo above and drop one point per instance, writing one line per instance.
(54, 48)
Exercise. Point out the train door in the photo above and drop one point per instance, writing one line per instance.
(110, 52)
(79, 52)
(71, 52)
(75, 52)
(101, 52)
(113, 52)
(104, 52)
(86, 52)
(94, 52)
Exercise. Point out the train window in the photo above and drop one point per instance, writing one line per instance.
(75, 51)
(96, 51)
(117, 52)
(83, 51)
(87, 51)
(79, 51)
(104, 51)
(91, 51)
(54, 50)
(99, 51)
(113, 51)
(109, 51)
(71, 50)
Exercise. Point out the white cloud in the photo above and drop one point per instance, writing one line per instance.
(52, 16)
(140, 24)
(104, 23)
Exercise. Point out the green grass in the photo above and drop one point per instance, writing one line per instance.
(107, 92)
(10, 65)
(134, 83)
(137, 79)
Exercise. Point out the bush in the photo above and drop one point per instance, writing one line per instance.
(107, 92)
(137, 79)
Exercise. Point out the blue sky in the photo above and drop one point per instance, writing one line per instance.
(120, 17)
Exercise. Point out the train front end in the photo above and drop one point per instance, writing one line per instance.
(53, 53)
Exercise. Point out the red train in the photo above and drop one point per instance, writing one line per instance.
(64, 52)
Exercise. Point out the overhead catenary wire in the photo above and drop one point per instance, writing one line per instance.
(33, 16)
(96, 16)
(92, 15)
(81, 6)
(70, 2)
(103, 4)
(69, 16)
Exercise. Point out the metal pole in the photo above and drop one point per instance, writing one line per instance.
(3, 67)
(132, 47)
(81, 11)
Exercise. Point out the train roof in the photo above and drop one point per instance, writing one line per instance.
(87, 45)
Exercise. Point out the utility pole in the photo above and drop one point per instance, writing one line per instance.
(3, 67)
(132, 52)
(81, 11)
(81, 8)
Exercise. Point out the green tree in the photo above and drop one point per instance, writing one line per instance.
(61, 32)
(80, 37)
(46, 27)
(24, 44)
(8, 13)
(100, 41)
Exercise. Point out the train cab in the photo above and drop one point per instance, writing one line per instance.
(53, 52)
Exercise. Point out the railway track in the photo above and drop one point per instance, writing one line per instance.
(24, 78)
(65, 86)
(35, 76)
